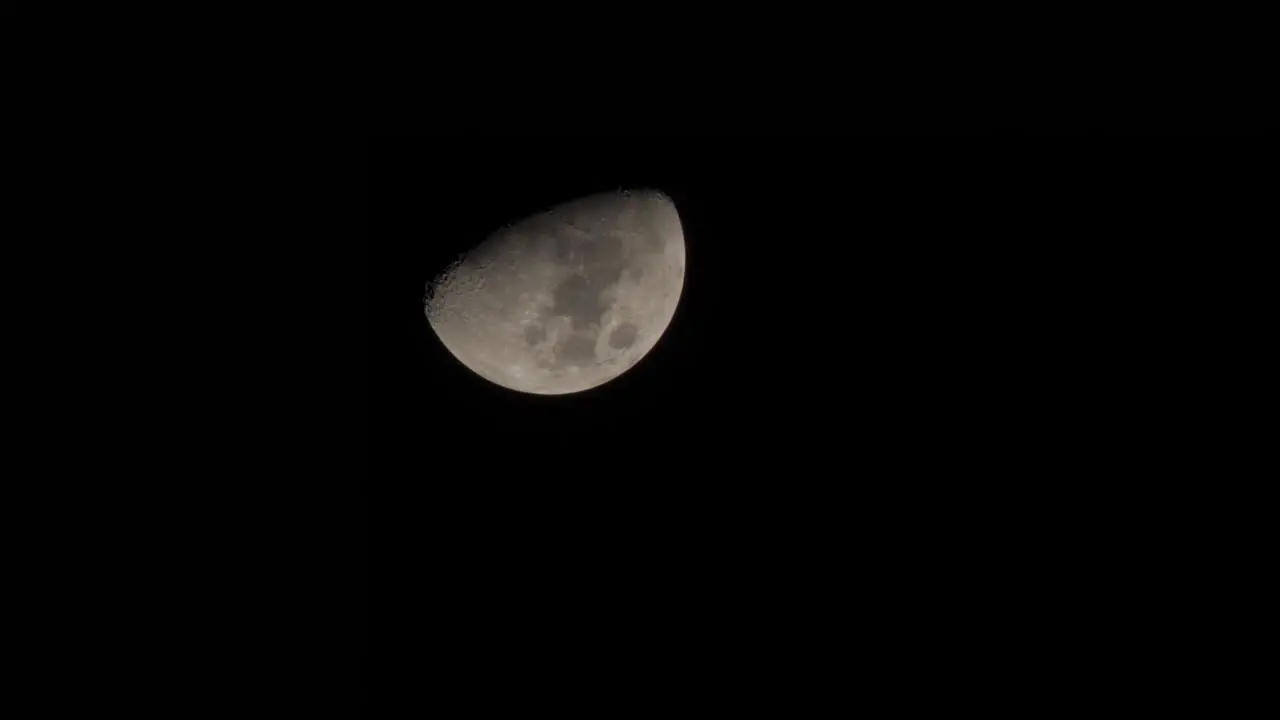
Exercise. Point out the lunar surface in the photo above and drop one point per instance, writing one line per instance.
(565, 300)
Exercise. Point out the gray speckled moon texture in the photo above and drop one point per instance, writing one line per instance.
(565, 300)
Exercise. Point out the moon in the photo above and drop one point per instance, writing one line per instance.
(565, 300)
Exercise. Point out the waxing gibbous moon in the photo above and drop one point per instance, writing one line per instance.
(565, 300)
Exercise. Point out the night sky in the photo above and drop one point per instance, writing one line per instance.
(905, 372)
(858, 294)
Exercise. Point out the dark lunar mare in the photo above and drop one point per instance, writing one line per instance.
(623, 336)
(579, 296)
(576, 350)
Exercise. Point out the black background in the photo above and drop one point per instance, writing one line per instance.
(903, 403)
(858, 293)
